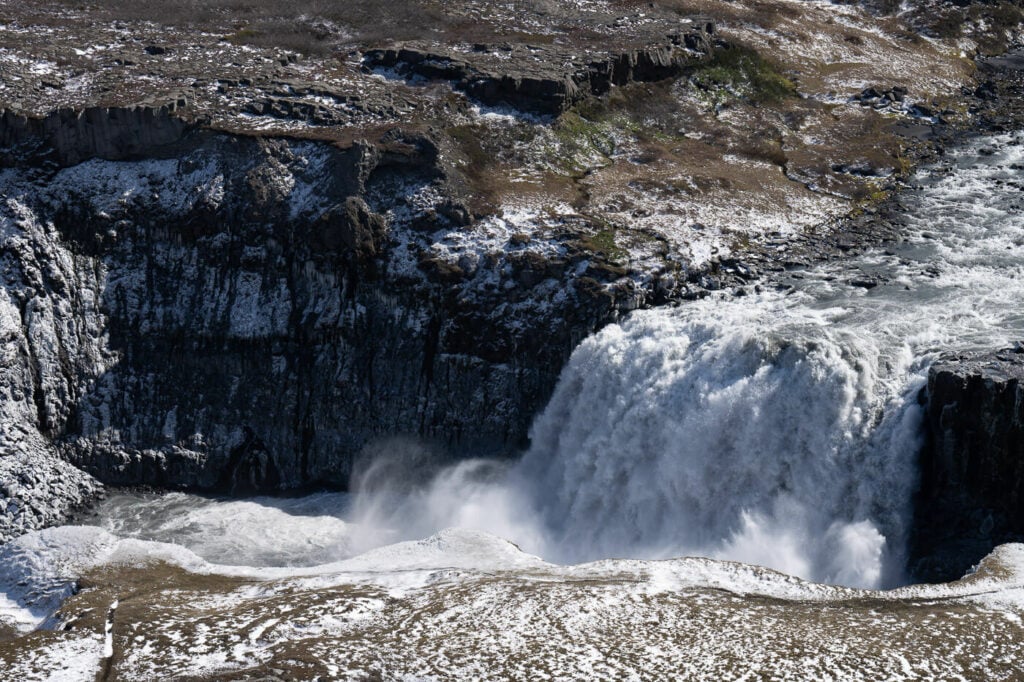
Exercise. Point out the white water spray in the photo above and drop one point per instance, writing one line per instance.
(740, 432)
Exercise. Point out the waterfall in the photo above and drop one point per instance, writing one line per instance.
(749, 431)
(780, 428)
(768, 429)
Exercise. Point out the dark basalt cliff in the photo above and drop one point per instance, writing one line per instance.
(972, 467)
(69, 136)
(241, 313)
(544, 80)
(230, 266)
(239, 282)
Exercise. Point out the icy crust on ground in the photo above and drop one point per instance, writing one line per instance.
(69, 659)
(40, 570)
(490, 611)
(862, 50)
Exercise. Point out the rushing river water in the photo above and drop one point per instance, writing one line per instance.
(778, 429)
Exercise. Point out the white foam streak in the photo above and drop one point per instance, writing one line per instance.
(260, 531)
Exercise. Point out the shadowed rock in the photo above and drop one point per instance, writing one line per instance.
(543, 80)
(972, 468)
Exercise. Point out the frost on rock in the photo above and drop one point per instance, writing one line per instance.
(247, 315)
(39, 338)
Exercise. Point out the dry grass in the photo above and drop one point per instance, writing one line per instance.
(320, 27)
(952, 20)
(307, 26)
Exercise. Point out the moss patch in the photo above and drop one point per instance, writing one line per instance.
(603, 243)
(739, 71)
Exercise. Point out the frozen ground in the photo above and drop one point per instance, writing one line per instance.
(466, 604)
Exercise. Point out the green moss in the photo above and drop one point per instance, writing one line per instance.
(573, 129)
(869, 194)
(579, 141)
(740, 71)
(603, 242)
(573, 125)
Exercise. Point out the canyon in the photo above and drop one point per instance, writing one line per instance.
(500, 257)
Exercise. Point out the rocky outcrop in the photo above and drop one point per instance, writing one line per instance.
(38, 489)
(246, 314)
(41, 345)
(543, 80)
(191, 304)
(70, 136)
(972, 467)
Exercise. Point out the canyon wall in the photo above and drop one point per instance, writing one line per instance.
(972, 467)
(244, 314)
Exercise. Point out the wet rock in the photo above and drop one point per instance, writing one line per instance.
(921, 111)
(986, 90)
(972, 467)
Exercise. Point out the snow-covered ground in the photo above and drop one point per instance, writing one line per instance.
(467, 604)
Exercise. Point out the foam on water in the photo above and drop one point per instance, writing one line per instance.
(262, 531)
(777, 429)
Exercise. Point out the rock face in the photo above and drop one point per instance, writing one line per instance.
(69, 136)
(41, 343)
(972, 490)
(191, 300)
(245, 314)
(544, 80)
(230, 261)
